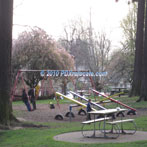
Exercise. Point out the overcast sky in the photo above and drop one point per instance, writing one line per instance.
(53, 15)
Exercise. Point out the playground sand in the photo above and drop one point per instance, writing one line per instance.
(45, 114)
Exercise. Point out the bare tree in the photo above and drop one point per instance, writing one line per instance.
(90, 50)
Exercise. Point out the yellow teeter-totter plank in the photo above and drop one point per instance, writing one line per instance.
(110, 97)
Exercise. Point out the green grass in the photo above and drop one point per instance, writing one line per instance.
(44, 137)
(64, 101)
(141, 123)
(131, 101)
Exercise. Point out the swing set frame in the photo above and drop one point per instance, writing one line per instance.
(20, 75)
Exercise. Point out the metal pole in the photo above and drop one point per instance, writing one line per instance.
(70, 110)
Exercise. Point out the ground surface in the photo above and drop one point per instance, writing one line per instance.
(45, 114)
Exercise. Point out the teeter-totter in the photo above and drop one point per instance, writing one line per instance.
(131, 110)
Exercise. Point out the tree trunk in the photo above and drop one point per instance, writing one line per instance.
(144, 75)
(137, 76)
(64, 86)
(6, 13)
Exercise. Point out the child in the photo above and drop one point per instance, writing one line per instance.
(31, 94)
(89, 109)
(25, 100)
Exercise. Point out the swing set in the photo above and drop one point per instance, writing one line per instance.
(40, 89)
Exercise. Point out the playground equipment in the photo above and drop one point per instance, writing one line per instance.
(80, 103)
(96, 103)
(105, 100)
(42, 89)
(132, 110)
(73, 100)
(59, 116)
(83, 98)
(48, 74)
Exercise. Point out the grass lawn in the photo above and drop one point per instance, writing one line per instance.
(43, 137)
